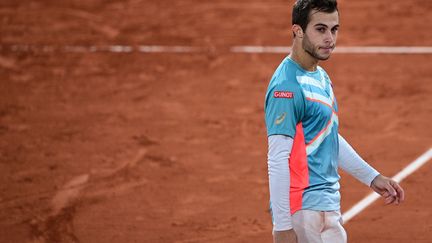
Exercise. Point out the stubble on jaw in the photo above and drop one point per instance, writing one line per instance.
(309, 49)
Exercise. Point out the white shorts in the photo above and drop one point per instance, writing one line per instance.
(318, 227)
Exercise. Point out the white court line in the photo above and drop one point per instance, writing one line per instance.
(385, 49)
(340, 49)
(260, 49)
(360, 206)
(170, 49)
(203, 49)
(105, 48)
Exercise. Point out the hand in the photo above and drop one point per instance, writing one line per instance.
(286, 236)
(389, 189)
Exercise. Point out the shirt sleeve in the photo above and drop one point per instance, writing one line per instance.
(284, 107)
(279, 150)
(353, 164)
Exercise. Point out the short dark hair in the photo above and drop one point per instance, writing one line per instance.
(302, 8)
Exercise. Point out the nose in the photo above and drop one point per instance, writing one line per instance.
(329, 37)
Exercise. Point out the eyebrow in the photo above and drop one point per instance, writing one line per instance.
(324, 25)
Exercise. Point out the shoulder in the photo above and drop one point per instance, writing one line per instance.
(322, 71)
(284, 86)
(324, 74)
(284, 77)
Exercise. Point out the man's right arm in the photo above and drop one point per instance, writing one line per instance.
(284, 109)
(279, 150)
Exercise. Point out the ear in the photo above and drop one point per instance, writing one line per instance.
(297, 30)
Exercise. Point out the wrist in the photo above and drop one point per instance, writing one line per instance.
(374, 179)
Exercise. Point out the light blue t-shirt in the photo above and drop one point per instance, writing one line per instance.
(301, 104)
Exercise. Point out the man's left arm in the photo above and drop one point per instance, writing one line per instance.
(353, 164)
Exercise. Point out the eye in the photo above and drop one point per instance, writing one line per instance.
(321, 29)
(334, 30)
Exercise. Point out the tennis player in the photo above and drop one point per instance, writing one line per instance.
(305, 149)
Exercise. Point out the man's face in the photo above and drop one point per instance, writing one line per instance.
(321, 33)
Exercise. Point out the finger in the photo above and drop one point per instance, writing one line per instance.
(399, 190)
(396, 201)
(390, 189)
(389, 200)
(385, 194)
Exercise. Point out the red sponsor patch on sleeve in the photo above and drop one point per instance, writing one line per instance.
(284, 94)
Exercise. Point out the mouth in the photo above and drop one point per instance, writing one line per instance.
(327, 48)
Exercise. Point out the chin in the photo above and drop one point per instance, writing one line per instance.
(323, 58)
(324, 55)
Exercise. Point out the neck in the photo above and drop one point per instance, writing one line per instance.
(304, 59)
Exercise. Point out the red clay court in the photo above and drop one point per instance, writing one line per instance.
(135, 121)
